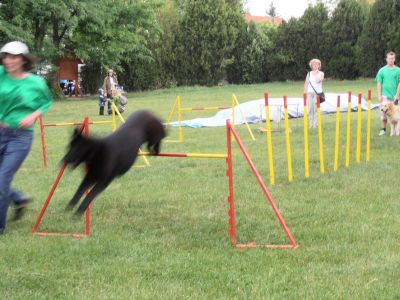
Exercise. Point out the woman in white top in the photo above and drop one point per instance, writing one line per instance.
(313, 85)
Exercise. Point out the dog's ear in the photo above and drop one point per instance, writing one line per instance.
(76, 132)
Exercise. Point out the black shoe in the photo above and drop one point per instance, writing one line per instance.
(20, 208)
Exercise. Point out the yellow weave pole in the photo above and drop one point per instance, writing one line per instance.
(115, 110)
(348, 131)
(269, 142)
(180, 120)
(244, 118)
(358, 147)
(368, 150)
(288, 149)
(321, 143)
(336, 158)
(305, 125)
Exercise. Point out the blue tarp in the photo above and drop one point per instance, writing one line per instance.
(254, 111)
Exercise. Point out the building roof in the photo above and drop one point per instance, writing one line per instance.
(263, 19)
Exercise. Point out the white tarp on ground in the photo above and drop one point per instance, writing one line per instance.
(255, 110)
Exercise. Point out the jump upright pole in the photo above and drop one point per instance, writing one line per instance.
(43, 143)
(84, 127)
(293, 243)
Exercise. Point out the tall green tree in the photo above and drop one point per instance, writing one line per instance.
(204, 43)
(344, 30)
(297, 42)
(379, 35)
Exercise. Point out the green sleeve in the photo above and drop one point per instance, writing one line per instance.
(379, 77)
(44, 99)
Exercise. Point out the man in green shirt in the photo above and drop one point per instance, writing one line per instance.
(388, 85)
(23, 98)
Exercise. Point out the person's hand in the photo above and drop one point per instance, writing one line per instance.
(380, 98)
(28, 121)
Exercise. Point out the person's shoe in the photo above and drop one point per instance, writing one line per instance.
(20, 208)
(382, 132)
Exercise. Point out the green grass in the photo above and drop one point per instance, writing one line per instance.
(161, 232)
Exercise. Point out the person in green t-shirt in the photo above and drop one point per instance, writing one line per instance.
(388, 85)
(23, 98)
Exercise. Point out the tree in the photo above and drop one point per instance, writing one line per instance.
(297, 41)
(272, 12)
(379, 35)
(204, 42)
(343, 31)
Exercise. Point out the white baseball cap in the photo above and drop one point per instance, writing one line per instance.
(15, 48)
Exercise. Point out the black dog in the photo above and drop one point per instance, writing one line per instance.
(113, 155)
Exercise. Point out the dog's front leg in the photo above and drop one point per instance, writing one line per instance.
(391, 129)
(97, 189)
(397, 128)
(85, 184)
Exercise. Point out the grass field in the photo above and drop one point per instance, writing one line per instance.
(161, 232)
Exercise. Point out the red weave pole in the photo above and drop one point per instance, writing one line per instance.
(264, 188)
(369, 94)
(87, 212)
(50, 195)
(229, 173)
(43, 143)
(359, 98)
(318, 102)
(349, 98)
(338, 101)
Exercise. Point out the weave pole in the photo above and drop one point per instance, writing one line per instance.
(368, 150)
(305, 125)
(336, 157)
(359, 116)
(321, 143)
(348, 132)
(287, 135)
(269, 141)
(84, 127)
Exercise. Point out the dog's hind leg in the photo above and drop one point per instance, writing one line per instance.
(85, 184)
(97, 189)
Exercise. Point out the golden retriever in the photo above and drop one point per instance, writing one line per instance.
(392, 112)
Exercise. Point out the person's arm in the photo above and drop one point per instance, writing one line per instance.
(396, 97)
(379, 91)
(30, 119)
(306, 84)
(105, 86)
(320, 76)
